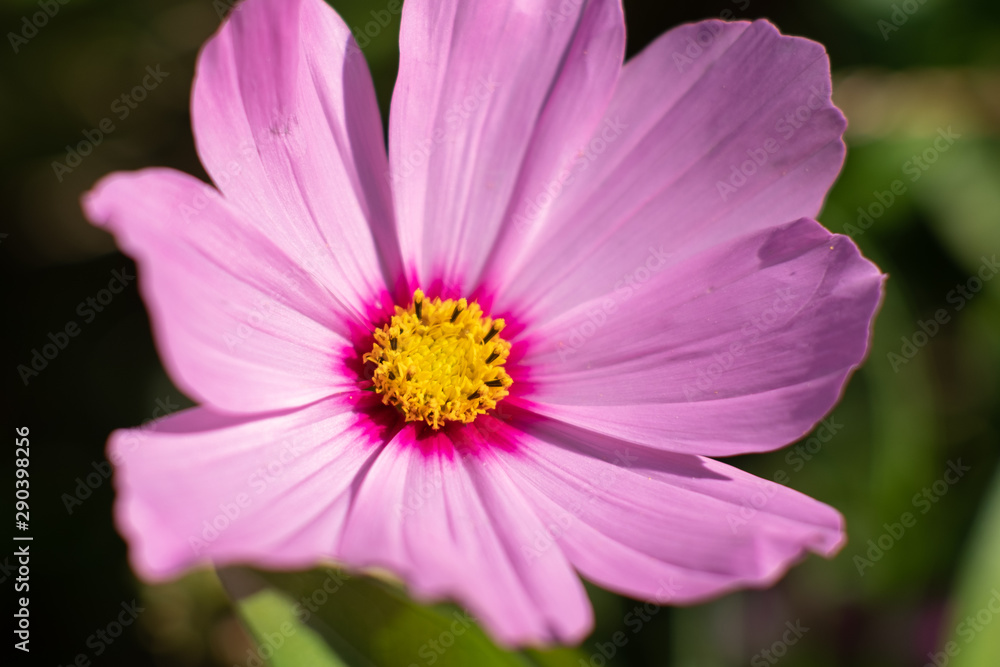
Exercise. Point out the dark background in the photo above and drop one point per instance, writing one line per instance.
(902, 421)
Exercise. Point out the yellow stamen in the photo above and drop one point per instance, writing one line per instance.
(439, 361)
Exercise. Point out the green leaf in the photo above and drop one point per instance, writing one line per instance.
(282, 640)
(974, 627)
(369, 622)
(963, 201)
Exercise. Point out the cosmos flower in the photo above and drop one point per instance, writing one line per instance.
(499, 357)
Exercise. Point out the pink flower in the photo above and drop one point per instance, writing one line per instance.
(644, 232)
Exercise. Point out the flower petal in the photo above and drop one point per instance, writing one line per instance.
(700, 101)
(287, 125)
(742, 348)
(272, 490)
(239, 325)
(660, 526)
(442, 514)
(491, 98)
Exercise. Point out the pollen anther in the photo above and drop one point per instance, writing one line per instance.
(440, 361)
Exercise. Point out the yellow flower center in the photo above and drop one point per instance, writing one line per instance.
(439, 361)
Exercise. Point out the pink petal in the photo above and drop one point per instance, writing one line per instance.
(239, 324)
(492, 97)
(742, 348)
(683, 123)
(444, 514)
(660, 526)
(287, 125)
(273, 490)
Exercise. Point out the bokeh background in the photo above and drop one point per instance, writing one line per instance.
(903, 423)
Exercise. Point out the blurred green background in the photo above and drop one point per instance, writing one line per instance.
(926, 402)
